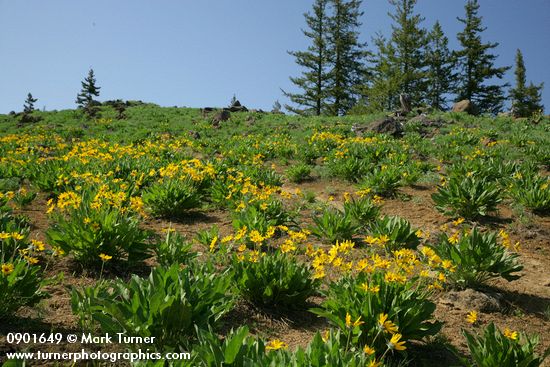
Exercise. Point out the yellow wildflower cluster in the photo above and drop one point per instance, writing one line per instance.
(192, 168)
(506, 242)
(64, 201)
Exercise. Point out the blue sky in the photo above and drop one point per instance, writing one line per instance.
(200, 52)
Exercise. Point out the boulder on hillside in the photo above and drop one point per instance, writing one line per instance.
(465, 106)
(237, 107)
(221, 116)
(387, 125)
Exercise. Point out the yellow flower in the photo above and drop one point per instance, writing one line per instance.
(38, 245)
(319, 272)
(368, 350)
(325, 335)
(255, 236)
(276, 344)
(213, 244)
(458, 221)
(385, 324)
(288, 246)
(454, 238)
(57, 251)
(31, 260)
(471, 317)
(394, 342)
(357, 322)
(4, 235)
(510, 334)
(105, 257)
(17, 236)
(7, 269)
(227, 239)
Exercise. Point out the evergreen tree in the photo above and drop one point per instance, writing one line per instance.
(85, 99)
(276, 107)
(525, 99)
(347, 70)
(28, 107)
(476, 65)
(314, 80)
(400, 66)
(440, 73)
(383, 92)
(233, 100)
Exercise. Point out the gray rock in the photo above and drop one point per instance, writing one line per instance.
(221, 116)
(464, 106)
(387, 125)
(470, 299)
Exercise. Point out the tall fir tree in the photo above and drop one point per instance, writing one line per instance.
(400, 65)
(526, 99)
(312, 100)
(347, 68)
(382, 93)
(28, 107)
(441, 77)
(476, 65)
(85, 99)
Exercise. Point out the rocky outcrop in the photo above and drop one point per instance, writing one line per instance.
(465, 106)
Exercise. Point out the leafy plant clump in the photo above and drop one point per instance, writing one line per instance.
(171, 198)
(20, 285)
(532, 191)
(477, 257)
(395, 233)
(371, 311)
(470, 197)
(298, 173)
(334, 225)
(168, 305)
(275, 280)
(506, 349)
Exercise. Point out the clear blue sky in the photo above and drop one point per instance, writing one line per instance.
(200, 52)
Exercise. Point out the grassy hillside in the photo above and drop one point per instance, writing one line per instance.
(270, 230)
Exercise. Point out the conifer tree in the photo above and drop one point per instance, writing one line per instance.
(476, 65)
(85, 99)
(409, 41)
(441, 77)
(314, 80)
(399, 66)
(28, 107)
(383, 91)
(347, 69)
(525, 99)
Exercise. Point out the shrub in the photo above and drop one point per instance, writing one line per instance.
(468, 197)
(508, 349)
(477, 257)
(171, 198)
(334, 225)
(298, 173)
(20, 285)
(274, 280)
(369, 310)
(168, 305)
